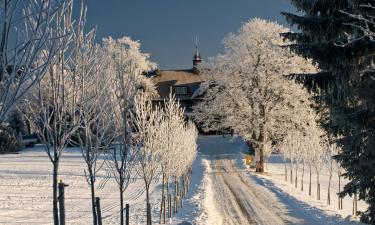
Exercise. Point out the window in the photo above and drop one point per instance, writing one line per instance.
(181, 90)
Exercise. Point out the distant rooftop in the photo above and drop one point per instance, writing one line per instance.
(166, 80)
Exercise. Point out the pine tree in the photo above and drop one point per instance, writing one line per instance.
(334, 34)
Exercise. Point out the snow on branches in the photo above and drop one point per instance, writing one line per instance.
(246, 89)
(166, 145)
(32, 34)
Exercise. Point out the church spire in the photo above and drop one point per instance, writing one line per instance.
(197, 56)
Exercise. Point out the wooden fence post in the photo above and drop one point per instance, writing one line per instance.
(61, 199)
(98, 211)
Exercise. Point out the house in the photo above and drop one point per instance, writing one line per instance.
(182, 83)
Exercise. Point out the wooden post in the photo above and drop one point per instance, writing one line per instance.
(61, 200)
(98, 211)
(127, 214)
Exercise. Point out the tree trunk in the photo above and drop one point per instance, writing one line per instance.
(175, 195)
(93, 203)
(261, 160)
(303, 174)
(296, 180)
(286, 173)
(291, 173)
(162, 205)
(355, 205)
(329, 186)
(310, 181)
(340, 199)
(55, 194)
(318, 185)
(178, 194)
(169, 209)
(121, 203)
(262, 140)
(148, 207)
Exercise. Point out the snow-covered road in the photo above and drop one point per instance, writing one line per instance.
(241, 197)
(244, 202)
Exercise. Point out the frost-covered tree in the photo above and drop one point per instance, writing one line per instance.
(29, 43)
(188, 154)
(147, 122)
(126, 64)
(95, 109)
(52, 105)
(172, 127)
(318, 147)
(331, 151)
(246, 90)
(178, 150)
(307, 147)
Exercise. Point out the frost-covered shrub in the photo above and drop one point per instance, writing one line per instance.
(8, 140)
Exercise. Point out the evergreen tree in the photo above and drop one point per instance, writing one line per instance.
(335, 35)
(16, 122)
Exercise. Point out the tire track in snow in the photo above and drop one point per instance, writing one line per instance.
(241, 201)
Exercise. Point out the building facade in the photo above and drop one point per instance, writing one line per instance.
(182, 83)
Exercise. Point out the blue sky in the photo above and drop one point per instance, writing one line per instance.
(167, 28)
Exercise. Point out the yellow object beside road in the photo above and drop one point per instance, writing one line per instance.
(248, 159)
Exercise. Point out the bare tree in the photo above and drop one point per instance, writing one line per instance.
(28, 30)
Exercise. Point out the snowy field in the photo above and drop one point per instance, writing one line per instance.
(26, 193)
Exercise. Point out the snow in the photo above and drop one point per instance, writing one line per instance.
(26, 191)
(275, 177)
(242, 197)
(222, 191)
(209, 213)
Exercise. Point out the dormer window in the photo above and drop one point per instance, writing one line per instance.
(181, 90)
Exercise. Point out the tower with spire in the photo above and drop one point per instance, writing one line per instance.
(197, 56)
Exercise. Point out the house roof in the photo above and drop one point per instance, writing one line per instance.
(165, 80)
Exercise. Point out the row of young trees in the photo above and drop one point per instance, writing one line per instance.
(314, 152)
(75, 91)
(179, 151)
(339, 36)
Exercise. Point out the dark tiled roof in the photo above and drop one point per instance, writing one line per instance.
(166, 80)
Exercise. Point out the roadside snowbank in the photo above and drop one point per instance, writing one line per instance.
(205, 199)
(275, 173)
